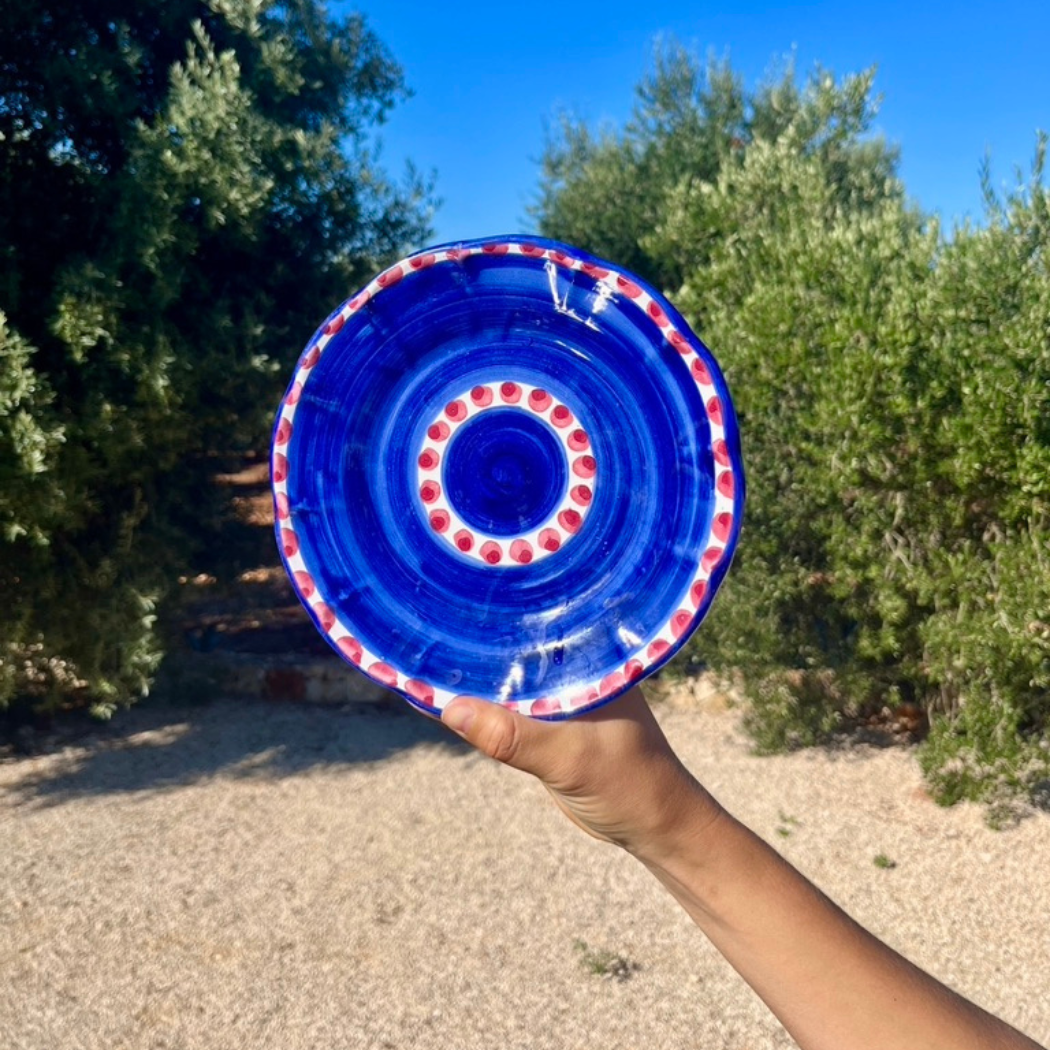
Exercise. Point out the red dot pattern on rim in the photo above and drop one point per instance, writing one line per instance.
(582, 699)
(421, 691)
(595, 271)
(384, 673)
(548, 539)
(722, 526)
(700, 372)
(289, 543)
(658, 315)
(324, 615)
(392, 276)
(546, 705)
(350, 648)
(657, 649)
(628, 287)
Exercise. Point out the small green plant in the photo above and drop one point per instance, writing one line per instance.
(884, 862)
(787, 824)
(992, 751)
(603, 963)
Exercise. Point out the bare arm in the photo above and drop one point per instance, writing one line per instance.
(832, 984)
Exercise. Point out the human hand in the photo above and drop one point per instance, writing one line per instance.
(612, 771)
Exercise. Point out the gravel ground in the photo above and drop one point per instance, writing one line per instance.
(243, 875)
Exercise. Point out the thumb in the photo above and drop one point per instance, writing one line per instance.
(501, 734)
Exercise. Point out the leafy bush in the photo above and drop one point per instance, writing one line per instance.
(185, 188)
(893, 388)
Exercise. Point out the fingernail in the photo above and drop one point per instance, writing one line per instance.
(458, 718)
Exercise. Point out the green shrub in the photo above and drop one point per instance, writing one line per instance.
(986, 752)
(893, 389)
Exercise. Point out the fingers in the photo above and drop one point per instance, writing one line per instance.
(501, 734)
(552, 750)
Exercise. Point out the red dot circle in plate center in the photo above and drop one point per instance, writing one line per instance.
(546, 538)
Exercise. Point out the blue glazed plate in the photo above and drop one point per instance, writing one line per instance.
(508, 470)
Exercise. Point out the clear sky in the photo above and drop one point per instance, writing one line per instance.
(958, 79)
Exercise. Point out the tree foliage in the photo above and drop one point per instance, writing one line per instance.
(893, 387)
(611, 189)
(184, 189)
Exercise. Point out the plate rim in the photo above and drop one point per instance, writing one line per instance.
(663, 644)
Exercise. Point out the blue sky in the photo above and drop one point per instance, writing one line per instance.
(488, 79)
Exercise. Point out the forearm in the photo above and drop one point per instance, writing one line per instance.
(833, 985)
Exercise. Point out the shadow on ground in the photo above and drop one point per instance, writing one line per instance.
(238, 602)
(160, 746)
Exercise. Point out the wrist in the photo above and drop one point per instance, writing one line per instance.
(683, 829)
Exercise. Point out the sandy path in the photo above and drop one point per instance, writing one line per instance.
(240, 875)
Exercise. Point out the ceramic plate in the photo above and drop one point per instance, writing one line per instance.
(508, 470)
